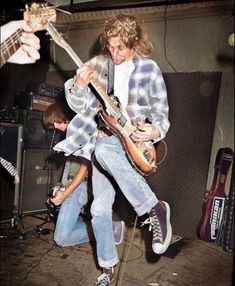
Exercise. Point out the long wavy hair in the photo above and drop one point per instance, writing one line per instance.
(132, 32)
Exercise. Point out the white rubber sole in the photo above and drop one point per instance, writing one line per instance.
(159, 248)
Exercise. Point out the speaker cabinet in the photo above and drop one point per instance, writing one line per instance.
(41, 170)
(10, 150)
(35, 135)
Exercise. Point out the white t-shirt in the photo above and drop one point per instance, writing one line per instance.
(122, 75)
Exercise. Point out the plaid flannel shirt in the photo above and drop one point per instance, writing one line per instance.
(147, 100)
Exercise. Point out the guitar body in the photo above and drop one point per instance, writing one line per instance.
(142, 156)
(214, 200)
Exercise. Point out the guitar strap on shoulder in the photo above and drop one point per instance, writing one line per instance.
(110, 87)
(110, 92)
(110, 82)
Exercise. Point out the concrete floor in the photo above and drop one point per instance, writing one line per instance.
(33, 259)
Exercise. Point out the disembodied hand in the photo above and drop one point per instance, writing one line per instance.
(29, 51)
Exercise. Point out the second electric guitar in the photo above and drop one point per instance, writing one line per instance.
(141, 154)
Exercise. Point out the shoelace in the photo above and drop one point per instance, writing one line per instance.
(103, 280)
(154, 225)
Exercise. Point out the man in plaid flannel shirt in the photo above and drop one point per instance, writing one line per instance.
(137, 82)
(72, 193)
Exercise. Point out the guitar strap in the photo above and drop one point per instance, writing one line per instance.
(110, 92)
(110, 87)
(110, 82)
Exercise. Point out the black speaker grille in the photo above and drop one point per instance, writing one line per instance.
(181, 179)
(10, 150)
(35, 135)
(41, 170)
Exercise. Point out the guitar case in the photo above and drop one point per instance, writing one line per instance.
(225, 236)
(214, 200)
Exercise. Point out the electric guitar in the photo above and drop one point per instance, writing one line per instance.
(141, 154)
(38, 16)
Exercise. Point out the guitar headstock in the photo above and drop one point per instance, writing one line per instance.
(39, 15)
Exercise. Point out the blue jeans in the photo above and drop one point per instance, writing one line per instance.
(70, 229)
(112, 158)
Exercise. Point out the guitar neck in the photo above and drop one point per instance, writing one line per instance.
(95, 83)
(10, 46)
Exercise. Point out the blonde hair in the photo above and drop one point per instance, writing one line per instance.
(131, 31)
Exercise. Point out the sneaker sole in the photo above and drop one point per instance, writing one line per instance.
(169, 233)
(122, 234)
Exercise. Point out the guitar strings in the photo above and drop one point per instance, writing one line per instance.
(117, 111)
(98, 87)
(10, 41)
(57, 37)
(129, 127)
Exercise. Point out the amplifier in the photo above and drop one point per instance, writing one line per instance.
(50, 90)
(38, 96)
(11, 137)
(39, 102)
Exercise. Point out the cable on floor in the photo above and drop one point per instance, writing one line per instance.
(127, 254)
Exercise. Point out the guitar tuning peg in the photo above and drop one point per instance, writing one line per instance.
(35, 6)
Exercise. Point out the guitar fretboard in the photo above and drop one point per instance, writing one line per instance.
(10, 46)
(109, 103)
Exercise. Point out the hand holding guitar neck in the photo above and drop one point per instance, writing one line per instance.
(39, 16)
(18, 43)
(141, 155)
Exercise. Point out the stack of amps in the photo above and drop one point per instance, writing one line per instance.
(40, 102)
(38, 97)
(45, 97)
(28, 146)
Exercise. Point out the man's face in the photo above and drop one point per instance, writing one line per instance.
(118, 51)
(61, 126)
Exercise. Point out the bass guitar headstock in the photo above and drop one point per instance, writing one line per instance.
(39, 16)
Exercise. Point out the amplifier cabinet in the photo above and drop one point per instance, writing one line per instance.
(11, 150)
(41, 170)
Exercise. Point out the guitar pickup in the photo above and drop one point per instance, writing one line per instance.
(122, 120)
(148, 156)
